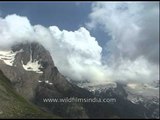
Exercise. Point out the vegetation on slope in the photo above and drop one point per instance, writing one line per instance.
(13, 105)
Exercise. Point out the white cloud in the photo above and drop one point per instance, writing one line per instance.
(75, 53)
(133, 51)
(14, 29)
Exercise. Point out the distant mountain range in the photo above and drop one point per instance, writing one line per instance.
(29, 76)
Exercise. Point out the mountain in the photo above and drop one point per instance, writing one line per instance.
(143, 99)
(15, 106)
(34, 76)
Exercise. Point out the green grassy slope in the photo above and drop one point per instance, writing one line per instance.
(13, 105)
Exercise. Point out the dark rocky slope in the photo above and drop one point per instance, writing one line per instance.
(15, 106)
(48, 82)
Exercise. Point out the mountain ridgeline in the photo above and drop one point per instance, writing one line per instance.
(29, 71)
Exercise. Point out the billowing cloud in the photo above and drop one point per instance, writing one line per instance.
(133, 50)
(14, 29)
(131, 54)
(75, 53)
(134, 28)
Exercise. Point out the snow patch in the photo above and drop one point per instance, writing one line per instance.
(98, 86)
(51, 83)
(140, 87)
(8, 56)
(139, 92)
(32, 66)
(48, 82)
(132, 85)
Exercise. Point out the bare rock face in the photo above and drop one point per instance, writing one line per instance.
(15, 106)
(23, 76)
(34, 76)
(31, 70)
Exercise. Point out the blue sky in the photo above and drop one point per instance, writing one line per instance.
(66, 15)
(133, 45)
